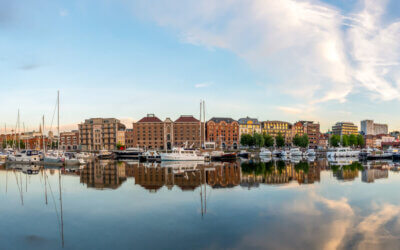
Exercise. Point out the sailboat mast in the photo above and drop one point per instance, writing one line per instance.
(43, 141)
(200, 124)
(204, 123)
(19, 136)
(58, 120)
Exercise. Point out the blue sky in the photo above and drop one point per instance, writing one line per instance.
(326, 61)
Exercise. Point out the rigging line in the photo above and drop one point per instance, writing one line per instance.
(54, 202)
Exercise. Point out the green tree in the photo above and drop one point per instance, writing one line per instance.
(353, 140)
(268, 140)
(297, 140)
(334, 140)
(360, 140)
(345, 140)
(120, 145)
(304, 141)
(258, 140)
(279, 140)
(246, 140)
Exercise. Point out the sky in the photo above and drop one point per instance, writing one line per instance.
(326, 61)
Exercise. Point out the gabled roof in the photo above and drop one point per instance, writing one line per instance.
(220, 119)
(187, 118)
(150, 118)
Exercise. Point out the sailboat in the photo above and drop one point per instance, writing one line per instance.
(55, 156)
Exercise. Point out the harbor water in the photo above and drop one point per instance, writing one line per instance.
(188, 205)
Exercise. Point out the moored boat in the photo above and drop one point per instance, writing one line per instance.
(129, 153)
(25, 156)
(181, 154)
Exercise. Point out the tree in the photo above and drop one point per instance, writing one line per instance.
(345, 140)
(334, 140)
(353, 140)
(246, 140)
(304, 141)
(120, 146)
(360, 140)
(268, 140)
(279, 140)
(258, 140)
(297, 140)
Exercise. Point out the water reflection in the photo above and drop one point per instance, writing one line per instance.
(306, 204)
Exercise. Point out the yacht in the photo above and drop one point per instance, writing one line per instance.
(277, 153)
(265, 153)
(342, 152)
(105, 154)
(295, 152)
(285, 153)
(25, 156)
(129, 153)
(222, 156)
(181, 154)
(150, 156)
(71, 159)
(310, 152)
(54, 157)
(244, 154)
(375, 154)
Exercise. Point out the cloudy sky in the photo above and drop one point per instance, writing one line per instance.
(328, 61)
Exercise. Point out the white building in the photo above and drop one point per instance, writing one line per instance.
(368, 127)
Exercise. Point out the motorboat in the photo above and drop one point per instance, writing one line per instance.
(265, 153)
(105, 154)
(276, 153)
(25, 156)
(295, 152)
(285, 153)
(222, 156)
(244, 154)
(342, 152)
(129, 153)
(182, 154)
(310, 152)
(54, 157)
(71, 159)
(375, 154)
(150, 156)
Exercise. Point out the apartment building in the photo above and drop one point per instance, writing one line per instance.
(129, 138)
(99, 133)
(368, 127)
(273, 128)
(224, 132)
(69, 140)
(344, 128)
(249, 126)
(311, 129)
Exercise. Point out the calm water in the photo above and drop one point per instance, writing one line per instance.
(274, 205)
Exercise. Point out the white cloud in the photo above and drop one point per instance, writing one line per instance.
(318, 54)
(203, 85)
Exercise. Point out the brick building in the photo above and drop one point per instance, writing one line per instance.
(129, 138)
(224, 132)
(99, 133)
(69, 140)
(311, 129)
(151, 132)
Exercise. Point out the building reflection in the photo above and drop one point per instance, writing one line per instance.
(280, 172)
(185, 175)
(103, 174)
